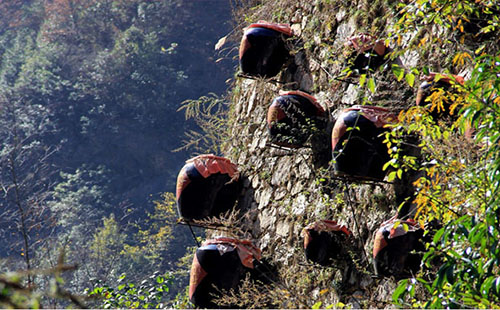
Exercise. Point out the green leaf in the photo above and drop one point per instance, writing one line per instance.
(362, 80)
(398, 292)
(438, 235)
(497, 285)
(388, 164)
(398, 71)
(371, 85)
(446, 135)
(486, 286)
(480, 49)
(391, 176)
(410, 79)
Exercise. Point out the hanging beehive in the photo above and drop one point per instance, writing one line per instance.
(263, 50)
(293, 117)
(207, 185)
(357, 141)
(367, 53)
(441, 105)
(219, 265)
(393, 245)
(325, 242)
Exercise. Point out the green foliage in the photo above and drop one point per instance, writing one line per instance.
(86, 188)
(113, 247)
(149, 294)
(297, 133)
(79, 203)
(338, 305)
(149, 250)
(153, 240)
(15, 294)
(460, 185)
(105, 248)
(25, 173)
(210, 115)
(468, 275)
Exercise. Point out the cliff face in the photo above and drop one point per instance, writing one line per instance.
(287, 189)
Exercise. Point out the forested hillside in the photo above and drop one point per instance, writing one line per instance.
(88, 124)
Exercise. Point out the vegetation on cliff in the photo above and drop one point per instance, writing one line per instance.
(454, 176)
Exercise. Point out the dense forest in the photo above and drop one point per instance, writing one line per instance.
(88, 124)
(95, 96)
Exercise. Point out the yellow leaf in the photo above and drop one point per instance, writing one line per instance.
(396, 224)
(422, 42)
(362, 80)
(460, 58)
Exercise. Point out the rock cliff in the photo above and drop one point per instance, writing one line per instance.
(287, 189)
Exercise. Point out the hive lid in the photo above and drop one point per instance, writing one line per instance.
(328, 225)
(320, 226)
(283, 28)
(208, 164)
(247, 251)
(365, 42)
(447, 78)
(312, 99)
(377, 115)
(402, 228)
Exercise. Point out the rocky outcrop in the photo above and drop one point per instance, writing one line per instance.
(287, 189)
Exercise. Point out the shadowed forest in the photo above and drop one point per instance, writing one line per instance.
(89, 92)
